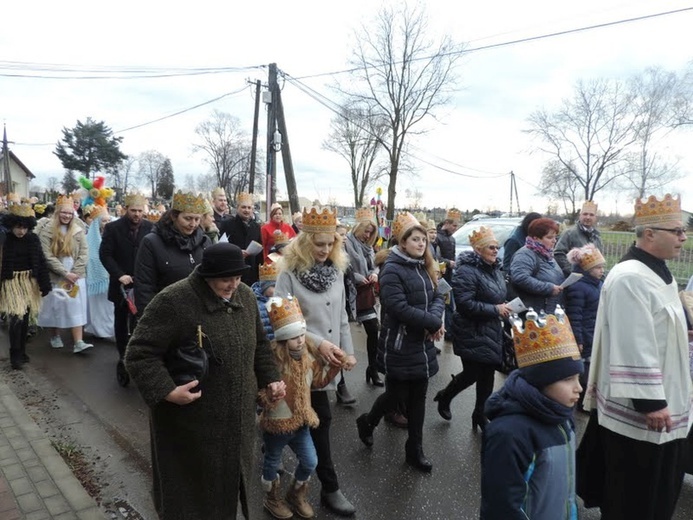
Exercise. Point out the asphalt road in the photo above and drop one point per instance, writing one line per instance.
(76, 399)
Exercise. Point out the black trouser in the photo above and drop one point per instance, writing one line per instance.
(474, 372)
(19, 326)
(321, 439)
(410, 393)
(371, 328)
(121, 314)
(642, 480)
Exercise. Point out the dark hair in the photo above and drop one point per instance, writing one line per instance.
(11, 221)
(540, 227)
(529, 218)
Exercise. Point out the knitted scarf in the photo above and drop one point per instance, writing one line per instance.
(318, 278)
(361, 255)
(539, 248)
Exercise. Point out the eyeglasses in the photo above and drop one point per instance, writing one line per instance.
(66, 213)
(494, 248)
(678, 231)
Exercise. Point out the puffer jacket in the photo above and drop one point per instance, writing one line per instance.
(262, 307)
(476, 326)
(533, 277)
(446, 248)
(581, 303)
(411, 309)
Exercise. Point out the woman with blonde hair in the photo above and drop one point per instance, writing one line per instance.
(64, 244)
(313, 269)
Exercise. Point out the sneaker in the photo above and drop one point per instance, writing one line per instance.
(56, 342)
(81, 346)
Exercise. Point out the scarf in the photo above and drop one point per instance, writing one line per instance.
(318, 278)
(534, 402)
(360, 255)
(97, 276)
(590, 233)
(535, 245)
(171, 235)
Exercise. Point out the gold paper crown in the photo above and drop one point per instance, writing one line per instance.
(289, 311)
(421, 217)
(244, 199)
(281, 238)
(482, 237)
(135, 199)
(269, 272)
(218, 191)
(153, 216)
(64, 200)
(189, 203)
(21, 210)
(403, 221)
(365, 215)
(589, 206)
(208, 208)
(591, 257)
(536, 344)
(454, 214)
(13, 197)
(323, 222)
(652, 211)
(431, 225)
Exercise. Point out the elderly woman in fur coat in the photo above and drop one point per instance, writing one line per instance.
(203, 432)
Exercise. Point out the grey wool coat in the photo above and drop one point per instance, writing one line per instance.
(202, 452)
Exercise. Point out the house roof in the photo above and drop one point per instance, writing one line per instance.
(19, 163)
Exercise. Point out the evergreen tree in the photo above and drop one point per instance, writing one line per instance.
(166, 181)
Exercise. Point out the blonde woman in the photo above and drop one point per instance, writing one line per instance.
(64, 244)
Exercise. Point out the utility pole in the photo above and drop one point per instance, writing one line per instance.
(273, 89)
(253, 148)
(6, 176)
(286, 157)
(513, 190)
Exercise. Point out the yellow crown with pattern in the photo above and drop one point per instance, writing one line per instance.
(218, 191)
(589, 206)
(454, 214)
(482, 237)
(135, 199)
(14, 197)
(269, 272)
(591, 257)
(403, 222)
(540, 344)
(365, 215)
(281, 238)
(153, 215)
(244, 199)
(285, 317)
(189, 203)
(315, 221)
(21, 210)
(65, 200)
(653, 211)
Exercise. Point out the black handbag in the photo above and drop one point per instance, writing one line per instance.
(508, 359)
(189, 360)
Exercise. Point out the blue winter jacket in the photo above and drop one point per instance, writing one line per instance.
(533, 277)
(527, 464)
(262, 306)
(411, 308)
(476, 327)
(581, 303)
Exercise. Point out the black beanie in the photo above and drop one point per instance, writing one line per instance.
(543, 374)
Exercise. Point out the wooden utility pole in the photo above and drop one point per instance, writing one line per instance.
(286, 157)
(273, 88)
(513, 191)
(6, 176)
(253, 148)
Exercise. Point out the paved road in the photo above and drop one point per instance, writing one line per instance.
(110, 423)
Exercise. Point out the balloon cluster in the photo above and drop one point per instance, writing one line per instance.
(94, 192)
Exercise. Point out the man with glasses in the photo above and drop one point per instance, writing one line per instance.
(639, 385)
(583, 233)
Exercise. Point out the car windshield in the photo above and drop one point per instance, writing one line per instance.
(501, 230)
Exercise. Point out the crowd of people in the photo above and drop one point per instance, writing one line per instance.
(223, 323)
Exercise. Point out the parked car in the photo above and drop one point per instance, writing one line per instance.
(502, 228)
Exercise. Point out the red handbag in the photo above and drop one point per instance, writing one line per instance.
(365, 297)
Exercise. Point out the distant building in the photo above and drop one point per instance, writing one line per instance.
(15, 176)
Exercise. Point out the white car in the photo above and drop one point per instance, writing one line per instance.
(502, 228)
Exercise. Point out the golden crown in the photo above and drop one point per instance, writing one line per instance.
(589, 206)
(269, 272)
(153, 216)
(65, 200)
(283, 311)
(135, 199)
(13, 197)
(653, 211)
(482, 237)
(189, 203)
(365, 215)
(208, 208)
(403, 221)
(218, 191)
(539, 344)
(454, 214)
(21, 210)
(281, 238)
(430, 225)
(591, 257)
(319, 222)
(244, 199)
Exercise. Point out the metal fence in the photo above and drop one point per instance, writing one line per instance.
(616, 243)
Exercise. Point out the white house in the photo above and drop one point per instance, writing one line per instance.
(14, 176)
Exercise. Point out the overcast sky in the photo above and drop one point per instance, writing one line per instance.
(478, 137)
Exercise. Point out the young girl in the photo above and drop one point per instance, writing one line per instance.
(582, 300)
(24, 277)
(287, 421)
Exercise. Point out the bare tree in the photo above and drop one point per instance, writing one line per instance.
(590, 134)
(150, 168)
(559, 183)
(403, 77)
(53, 186)
(356, 135)
(121, 176)
(189, 182)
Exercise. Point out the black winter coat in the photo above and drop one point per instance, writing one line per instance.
(446, 247)
(476, 327)
(24, 254)
(411, 308)
(118, 251)
(581, 303)
(241, 234)
(162, 261)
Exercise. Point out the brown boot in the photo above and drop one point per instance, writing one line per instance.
(296, 497)
(274, 503)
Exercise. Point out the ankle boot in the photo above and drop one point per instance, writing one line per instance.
(479, 420)
(416, 458)
(445, 396)
(343, 395)
(296, 497)
(274, 503)
(365, 429)
(373, 377)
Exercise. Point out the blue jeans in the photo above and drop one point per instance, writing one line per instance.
(301, 444)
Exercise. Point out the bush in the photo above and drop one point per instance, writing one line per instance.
(622, 225)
